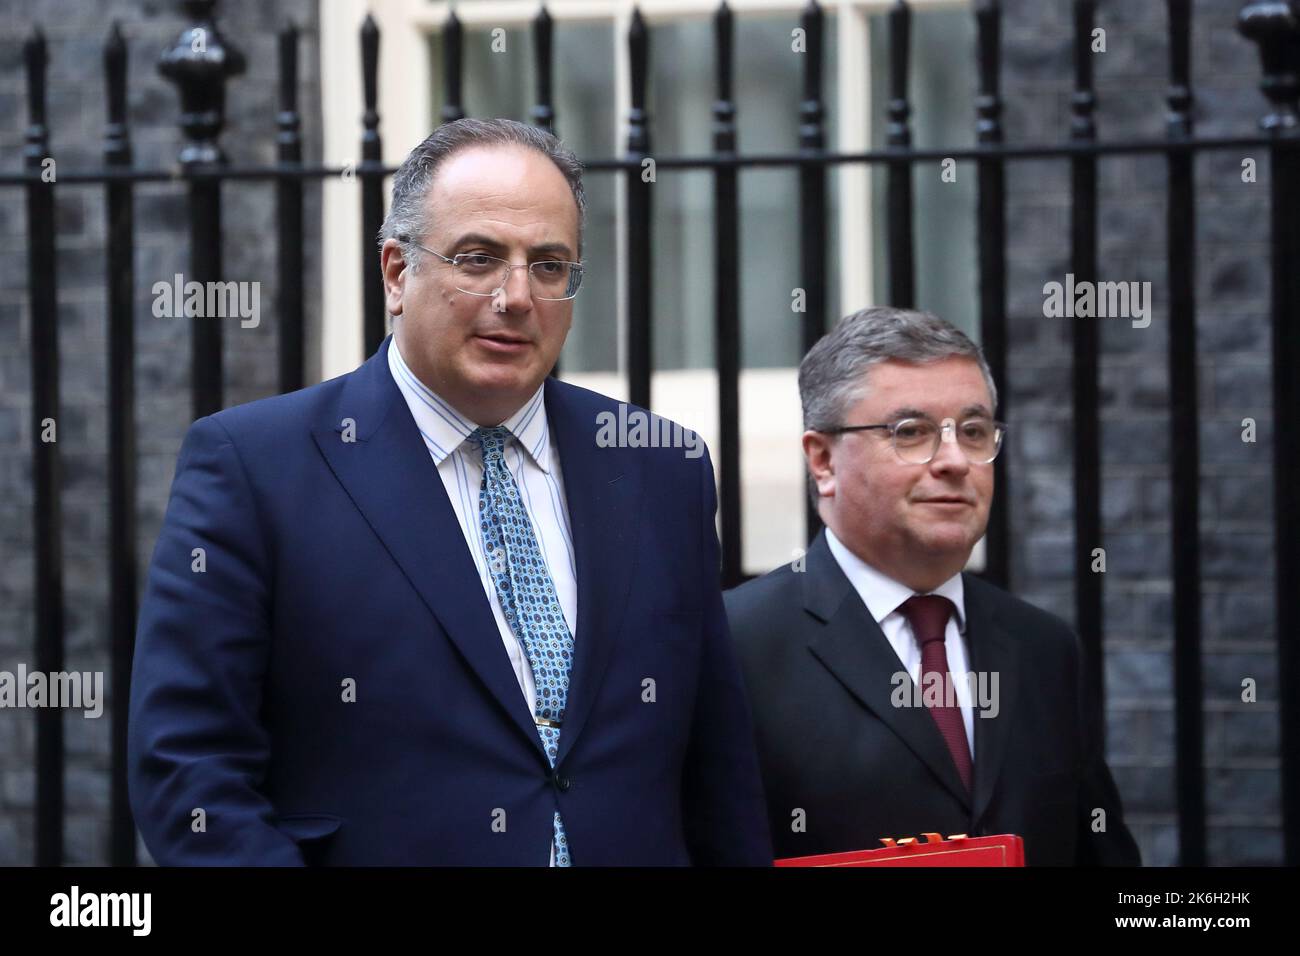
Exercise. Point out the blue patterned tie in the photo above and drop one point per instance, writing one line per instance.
(527, 596)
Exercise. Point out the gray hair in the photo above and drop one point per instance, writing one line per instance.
(832, 376)
(409, 215)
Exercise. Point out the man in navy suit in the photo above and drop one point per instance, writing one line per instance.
(426, 612)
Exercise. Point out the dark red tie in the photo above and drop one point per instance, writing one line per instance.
(928, 614)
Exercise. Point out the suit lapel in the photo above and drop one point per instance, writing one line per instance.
(602, 491)
(392, 480)
(992, 650)
(852, 646)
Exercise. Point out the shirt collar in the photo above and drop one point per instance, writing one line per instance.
(882, 594)
(444, 428)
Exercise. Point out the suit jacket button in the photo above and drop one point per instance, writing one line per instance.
(563, 783)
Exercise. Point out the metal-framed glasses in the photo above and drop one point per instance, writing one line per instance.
(916, 440)
(479, 274)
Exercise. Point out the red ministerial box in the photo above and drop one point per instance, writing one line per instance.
(1005, 849)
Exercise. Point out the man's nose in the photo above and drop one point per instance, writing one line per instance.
(517, 294)
(949, 457)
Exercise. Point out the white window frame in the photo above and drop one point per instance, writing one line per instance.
(405, 110)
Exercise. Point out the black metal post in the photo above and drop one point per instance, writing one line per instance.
(199, 64)
(371, 174)
(120, 278)
(1185, 459)
(452, 38)
(640, 355)
(543, 111)
(992, 243)
(902, 290)
(812, 203)
(47, 512)
(1275, 26)
(726, 304)
(288, 217)
(1086, 336)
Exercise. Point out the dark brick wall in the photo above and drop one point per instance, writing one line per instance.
(1241, 747)
(75, 31)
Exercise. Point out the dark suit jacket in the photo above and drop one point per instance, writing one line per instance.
(817, 668)
(328, 560)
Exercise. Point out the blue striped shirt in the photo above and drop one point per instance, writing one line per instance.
(533, 460)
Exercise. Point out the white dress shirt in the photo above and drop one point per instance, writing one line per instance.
(534, 460)
(883, 596)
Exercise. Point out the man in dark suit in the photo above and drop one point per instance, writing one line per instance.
(892, 694)
(428, 612)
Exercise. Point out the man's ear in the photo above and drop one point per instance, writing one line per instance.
(393, 266)
(817, 452)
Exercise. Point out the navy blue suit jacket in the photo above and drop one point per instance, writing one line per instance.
(327, 561)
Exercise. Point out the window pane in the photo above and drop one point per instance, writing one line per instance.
(768, 86)
(943, 114)
(502, 84)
